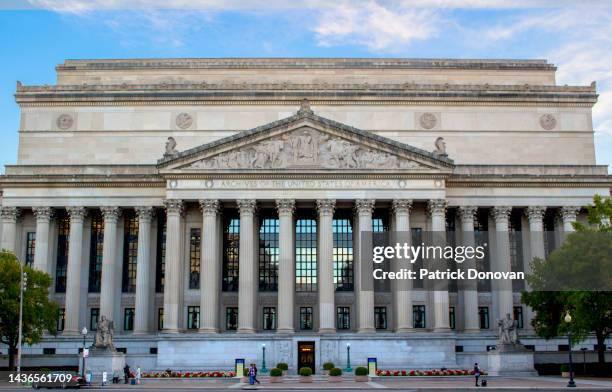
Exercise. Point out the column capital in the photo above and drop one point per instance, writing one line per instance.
(145, 213)
(535, 213)
(10, 213)
(76, 213)
(569, 213)
(326, 206)
(501, 213)
(402, 206)
(173, 206)
(247, 206)
(209, 207)
(364, 206)
(437, 207)
(43, 214)
(111, 213)
(285, 206)
(467, 213)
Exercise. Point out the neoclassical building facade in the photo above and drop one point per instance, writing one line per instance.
(212, 206)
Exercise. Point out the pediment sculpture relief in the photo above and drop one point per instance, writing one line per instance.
(305, 148)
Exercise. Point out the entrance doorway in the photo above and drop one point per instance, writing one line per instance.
(306, 355)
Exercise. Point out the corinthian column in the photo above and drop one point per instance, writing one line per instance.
(143, 270)
(363, 275)
(173, 273)
(41, 250)
(109, 262)
(286, 265)
(469, 287)
(437, 211)
(504, 287)
(402, 288)
(73, 274)
(326, 266)
(536, 246)
(9, 228)
(247, 289)
(569, 214)
(210, 275)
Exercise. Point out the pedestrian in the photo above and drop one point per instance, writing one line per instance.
(255, 378)
(138, 375)
(126, 373)
(252, 374)
(476, 373)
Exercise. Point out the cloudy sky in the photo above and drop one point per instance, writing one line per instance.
(35, 35)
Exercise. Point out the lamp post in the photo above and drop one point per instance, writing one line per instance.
(263, 365)
(22, 288)
(568, 320)
(84, 333)
(584, 350)
(348, 358)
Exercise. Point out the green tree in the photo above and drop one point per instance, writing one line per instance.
(39, 313)
(576, 278)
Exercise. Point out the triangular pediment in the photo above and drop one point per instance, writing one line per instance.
(305, 142)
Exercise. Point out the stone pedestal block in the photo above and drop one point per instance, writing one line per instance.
(511, 363)
(103, 361)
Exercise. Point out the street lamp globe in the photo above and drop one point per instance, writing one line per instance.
(84, 331)
(568, 317)
(348, 345)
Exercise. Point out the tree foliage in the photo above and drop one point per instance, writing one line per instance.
(39, 313)
(576, 278)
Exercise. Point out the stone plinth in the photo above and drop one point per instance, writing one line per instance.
(511, 360)
(111, 362)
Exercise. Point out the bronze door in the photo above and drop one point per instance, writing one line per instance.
(306, 355)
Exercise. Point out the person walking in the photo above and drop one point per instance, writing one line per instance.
(126, 373)
(255, 378)
(252, 374)
(138, 375)
(476, 373)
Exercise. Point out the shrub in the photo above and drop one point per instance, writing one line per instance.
(305, 372)
(282, 366)
(335, 372)
(276, 372)
(328, 366)
(564, 367)
(361, 371)
(245, 372)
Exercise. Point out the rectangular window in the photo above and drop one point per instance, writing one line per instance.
(194, 258)
(518, 316)
(516, 247)
(61, 318)
(380, 237)
(418, 316)
(193, 317)
(306, 318)
(483, 316)
(481, 236)
(160, 319)
(416, 236)
(380, 221)
(63, 235)
(268, 254)
(343, 252)
(94, 316)
(130, 253)
(231, 319)
(95, 253)
(306, 255)
(451, 317)
(48, 351)
(549, 231)
(269, 318)
(161, 254)
(343, 317)
(30, 247)
(231, 252)
(380, 317)
(128, 319)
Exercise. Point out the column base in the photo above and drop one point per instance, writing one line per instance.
(285, 330)
(404, 330)
(245, 330)
(208, 330)
(366, 330)
(471, 330)
(327, 330)
(68, 332)
(170, 330)
(140, 333)
(442, 329)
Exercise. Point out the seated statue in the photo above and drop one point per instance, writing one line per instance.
(105, 329)
(507, 329)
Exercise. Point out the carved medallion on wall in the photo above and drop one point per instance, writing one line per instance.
(64, 121)
(184, 120)
(548, 121)
(428, 120)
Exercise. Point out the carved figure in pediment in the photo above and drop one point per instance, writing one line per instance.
(170, 147)
(440, 147)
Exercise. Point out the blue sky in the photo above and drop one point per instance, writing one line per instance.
(35, 35)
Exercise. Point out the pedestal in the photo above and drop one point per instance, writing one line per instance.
(511, 360)
(111, 362)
